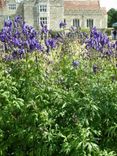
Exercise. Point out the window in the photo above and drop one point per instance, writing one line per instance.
(76, 22)
(43, 8)
(89, 23)
(43, 20)
(64, 20)
(12, 6)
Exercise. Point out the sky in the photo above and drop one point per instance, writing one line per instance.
(104, 3)
(109, 4)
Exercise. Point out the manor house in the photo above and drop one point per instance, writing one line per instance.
(77, 13)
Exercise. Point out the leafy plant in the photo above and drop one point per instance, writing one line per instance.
(60, 103)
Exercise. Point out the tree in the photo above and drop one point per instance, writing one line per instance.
(112, 17)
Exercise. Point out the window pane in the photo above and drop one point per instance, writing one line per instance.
(76, 22)
(89, 22)
(43, 8)
(43, 20)
(12, 6)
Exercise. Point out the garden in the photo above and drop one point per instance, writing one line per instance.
(58, 91)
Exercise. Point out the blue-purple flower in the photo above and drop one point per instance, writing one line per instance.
(62, 24)
(75, 63)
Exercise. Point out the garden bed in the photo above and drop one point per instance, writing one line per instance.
(61, 102)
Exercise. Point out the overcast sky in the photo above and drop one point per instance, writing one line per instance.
(105, 3)
(109, 4)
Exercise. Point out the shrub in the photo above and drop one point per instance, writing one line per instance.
(59, 108)
(60, 103)
(85, 30)
(108, 31)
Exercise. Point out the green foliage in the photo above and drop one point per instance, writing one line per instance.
(1, 25)
(54, 33)
(112, 17)
(51, 108)
(108, 31)
(87, 30)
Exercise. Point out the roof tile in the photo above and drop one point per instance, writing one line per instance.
(89, 5)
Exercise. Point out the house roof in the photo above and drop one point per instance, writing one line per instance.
(82, 5)
(2, 3)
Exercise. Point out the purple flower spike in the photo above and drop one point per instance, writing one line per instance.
(62, 24)
(8, 23)
(75, 63)
(45, 29)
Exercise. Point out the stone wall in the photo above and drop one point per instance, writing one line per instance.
(56, 13)
(100, 20)
(29, 13)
